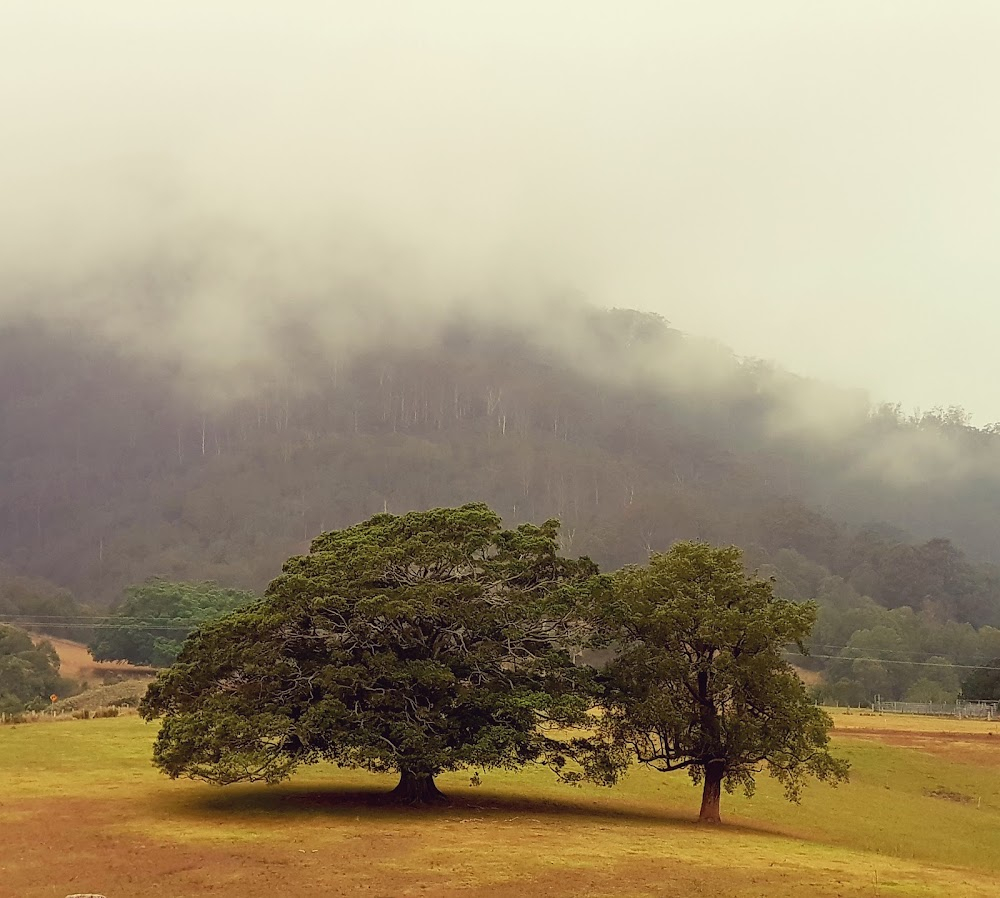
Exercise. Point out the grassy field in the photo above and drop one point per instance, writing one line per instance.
(82, 810)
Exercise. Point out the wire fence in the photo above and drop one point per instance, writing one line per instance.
(970, 710)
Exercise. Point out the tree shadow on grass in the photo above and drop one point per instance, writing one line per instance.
(331, 802)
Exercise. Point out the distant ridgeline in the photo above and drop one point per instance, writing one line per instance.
(117, 467)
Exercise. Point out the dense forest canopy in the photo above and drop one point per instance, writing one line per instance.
(119, 464)
(150, 625)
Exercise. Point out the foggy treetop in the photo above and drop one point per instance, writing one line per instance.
(118, 466)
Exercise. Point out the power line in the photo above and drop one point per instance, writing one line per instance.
(110, 616)
(173, 629)
(949, 664)
(826, 645)
(104, 622)
(99, 623)
(87, 617)
(854, 648)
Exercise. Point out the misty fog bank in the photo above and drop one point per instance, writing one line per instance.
(807, 184)
(227, 310)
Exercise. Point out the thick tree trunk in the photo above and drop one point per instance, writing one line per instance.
(416, 788)
(711, 794)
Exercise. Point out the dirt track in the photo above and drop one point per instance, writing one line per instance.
(76, 664)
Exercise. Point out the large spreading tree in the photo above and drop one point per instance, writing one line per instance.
(419, 644)
(699, 681)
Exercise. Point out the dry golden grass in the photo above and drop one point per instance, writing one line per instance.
(911, 723)
(82, 810)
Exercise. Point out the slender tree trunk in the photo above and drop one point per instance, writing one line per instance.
(711, 794)
(416, 788)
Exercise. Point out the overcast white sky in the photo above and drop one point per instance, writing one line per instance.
(813, 182)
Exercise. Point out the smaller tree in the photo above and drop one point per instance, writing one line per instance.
(699, 682)
(156, 617)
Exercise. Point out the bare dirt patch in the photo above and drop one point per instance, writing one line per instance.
(949, 795)
(65, 846)
(976, 748)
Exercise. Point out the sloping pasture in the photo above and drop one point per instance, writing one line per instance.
(82, 810)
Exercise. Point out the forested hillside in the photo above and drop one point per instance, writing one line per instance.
(117, 465)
